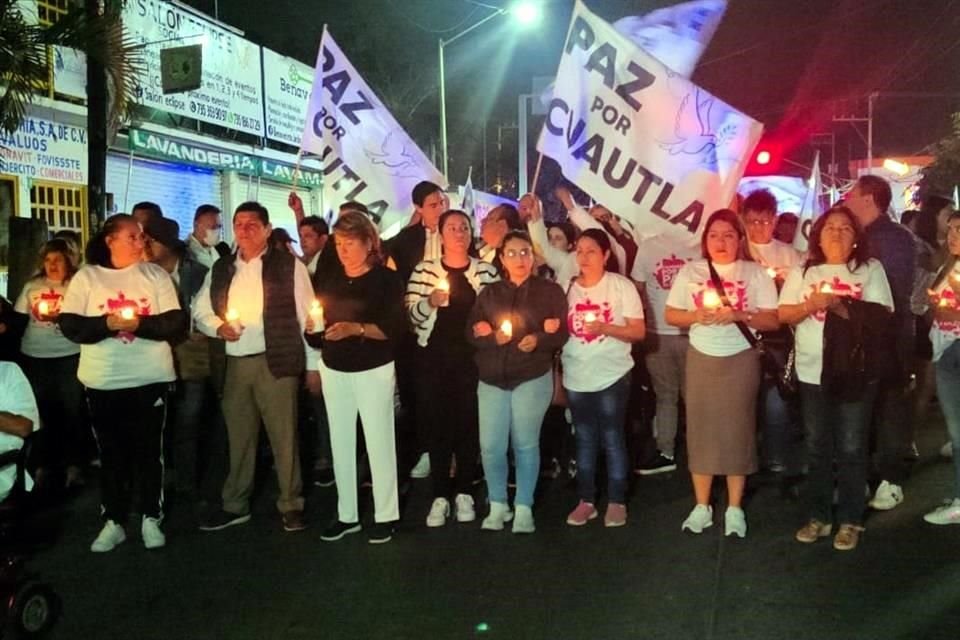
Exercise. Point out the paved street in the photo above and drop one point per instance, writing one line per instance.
(646, 580)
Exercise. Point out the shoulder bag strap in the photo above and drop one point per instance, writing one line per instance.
(722, 292)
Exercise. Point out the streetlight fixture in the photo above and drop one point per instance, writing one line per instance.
(526, 13)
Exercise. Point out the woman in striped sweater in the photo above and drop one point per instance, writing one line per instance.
(439, 297)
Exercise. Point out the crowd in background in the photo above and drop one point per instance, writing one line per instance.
(499, 355)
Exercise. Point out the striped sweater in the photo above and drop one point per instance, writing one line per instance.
(424, 280)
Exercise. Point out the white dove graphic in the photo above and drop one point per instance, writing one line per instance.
(394, 156)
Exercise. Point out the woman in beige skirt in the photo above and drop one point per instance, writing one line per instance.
(723, 370)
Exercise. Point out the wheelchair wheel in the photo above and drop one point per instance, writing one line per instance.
(34, 610)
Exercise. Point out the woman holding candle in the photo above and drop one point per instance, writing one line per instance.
(127, 367)
(363, 318)
(439, 297)
(604, 317)
(836, 275)
(516, 327)
(50, 363)
(944, 334)
(722, 368)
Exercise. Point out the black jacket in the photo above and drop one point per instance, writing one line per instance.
(859, 350)
(527, 307)
(406, 249)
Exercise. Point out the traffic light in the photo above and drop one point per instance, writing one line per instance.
(766, 159)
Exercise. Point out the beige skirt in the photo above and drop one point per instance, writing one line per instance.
(721, 404)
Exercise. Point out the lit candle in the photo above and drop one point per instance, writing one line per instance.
(127, 313)
(826, 288)
(590, 317)
(316, 314)
(507, 328)
(956, 278)
(233, 319)
(444, 286)
(711, 299)
(43, 308)
(944, 302)
(772, 272)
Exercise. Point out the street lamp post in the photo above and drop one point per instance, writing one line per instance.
(524, 12)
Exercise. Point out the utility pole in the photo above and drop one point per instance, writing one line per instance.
(97, 125)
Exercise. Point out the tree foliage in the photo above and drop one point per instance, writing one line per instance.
(943, 175)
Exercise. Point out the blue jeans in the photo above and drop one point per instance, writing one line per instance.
(514, 416)
(836, 431)
(948, 393)
(596, 415)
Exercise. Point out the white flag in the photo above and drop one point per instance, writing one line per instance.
(468, 203)
(812, 206)
(366, 156)
(676, 36)
(645, 142)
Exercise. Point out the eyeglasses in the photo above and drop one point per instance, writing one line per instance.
(760, 222)
(515, 253)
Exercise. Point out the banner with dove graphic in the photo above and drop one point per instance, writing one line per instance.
(364, 154)
(642, 140)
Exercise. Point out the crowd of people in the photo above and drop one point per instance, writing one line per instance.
(502, 354)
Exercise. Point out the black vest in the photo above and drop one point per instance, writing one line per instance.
(281, 328)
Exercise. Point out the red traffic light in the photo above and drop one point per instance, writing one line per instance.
(763, 157)
(766, 159)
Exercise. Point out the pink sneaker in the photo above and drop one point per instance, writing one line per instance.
(616, 515)
(584, 512)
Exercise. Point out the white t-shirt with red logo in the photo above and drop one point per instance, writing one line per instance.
(867, 283)
(41, 338)
(122, 361)
(748, 287)
(658, 262)
(591, 362)
(944, 333)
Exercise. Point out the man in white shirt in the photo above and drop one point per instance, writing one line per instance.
(204, 241)
(18, 418)
(257, 301)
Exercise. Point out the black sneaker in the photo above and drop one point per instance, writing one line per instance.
(323, 478)
(223, 519)
(660, 464)
(380, 533)
(339, 529)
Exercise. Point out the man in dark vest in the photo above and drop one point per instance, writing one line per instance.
(257, 301)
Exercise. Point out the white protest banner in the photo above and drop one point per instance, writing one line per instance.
(812, 206)
(643, 141)
(676, 36)
(365, 155)
(232, 92)
(286, 91)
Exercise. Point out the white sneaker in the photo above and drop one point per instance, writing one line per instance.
(422, 468)
(699, 519)
(465, 509)
(109, 537)
(948, 513)
(439, 512)
(946, 451)
(887, 496)
(735, 522)
(523, 523)
(499, 513)
(153, 537)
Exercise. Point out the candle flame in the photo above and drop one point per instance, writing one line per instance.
(944, 302)
(771, 272)
(826, 288)
(233, 315)
(127, 313)
(43, 307)
(315, 307)
(711, 299)
(590, 317)
(507, 328)
(443, 285)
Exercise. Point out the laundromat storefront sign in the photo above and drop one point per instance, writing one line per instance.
(152, 145)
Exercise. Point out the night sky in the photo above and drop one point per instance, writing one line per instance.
(784, 62)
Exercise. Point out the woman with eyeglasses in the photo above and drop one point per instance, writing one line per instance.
(839, 287)
(124, 313)
(440, 295)
(720, 298)
(516, 326)
(605, 316)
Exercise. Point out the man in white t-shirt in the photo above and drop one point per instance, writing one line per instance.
(659, 259)
(18, 418)
(760, 219)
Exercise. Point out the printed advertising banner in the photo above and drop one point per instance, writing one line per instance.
(365, 154)
(42, 149)
(642, 140)
(287, 92)
(232, 91)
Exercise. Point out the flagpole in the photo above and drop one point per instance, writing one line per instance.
(536, 174)
(296, 170)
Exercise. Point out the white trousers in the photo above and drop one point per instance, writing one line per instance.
(370, 393)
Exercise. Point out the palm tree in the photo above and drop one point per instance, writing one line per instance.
(23, 58)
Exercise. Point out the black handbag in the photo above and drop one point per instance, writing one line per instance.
(778, 365)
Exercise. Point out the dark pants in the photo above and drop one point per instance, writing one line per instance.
(836, 432)
(894, 433)
(198, 434)
(447, 410)
(65, 437)
(599, 416)
(129, 426)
